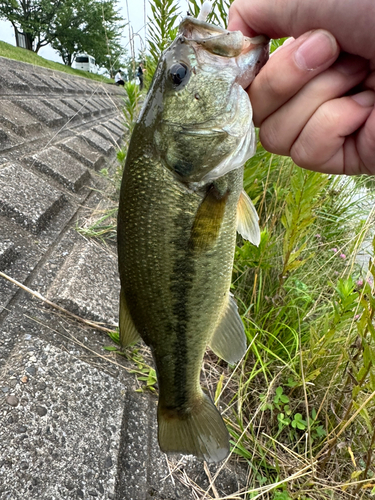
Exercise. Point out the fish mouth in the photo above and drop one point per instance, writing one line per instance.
(248, 55)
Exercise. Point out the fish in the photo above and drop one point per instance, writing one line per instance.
(181, 203)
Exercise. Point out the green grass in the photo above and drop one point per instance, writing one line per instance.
(19, 54)
(303, 398)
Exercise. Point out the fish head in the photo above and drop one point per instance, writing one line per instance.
(197, 109)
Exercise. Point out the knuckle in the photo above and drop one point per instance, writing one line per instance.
(271, 84)
(301, 154)
(271, 136)
(313, 146)
(327, 116)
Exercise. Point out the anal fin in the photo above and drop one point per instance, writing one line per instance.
(247, 219)
(128, 332)
(229, 338)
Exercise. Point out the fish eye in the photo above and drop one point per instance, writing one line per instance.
(178, 73)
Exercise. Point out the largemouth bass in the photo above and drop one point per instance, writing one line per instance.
(180, 205)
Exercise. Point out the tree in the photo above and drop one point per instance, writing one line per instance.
(34, 18)
(70, 26)
(90, 26)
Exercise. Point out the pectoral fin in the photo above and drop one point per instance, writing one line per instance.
(128, 332)
(208, 220)
(248, 220)
(229, 339)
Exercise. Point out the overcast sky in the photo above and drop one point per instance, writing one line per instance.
(136, 16)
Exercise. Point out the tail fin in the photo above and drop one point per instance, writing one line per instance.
(199, 431)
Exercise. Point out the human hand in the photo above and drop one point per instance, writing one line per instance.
(300, 98)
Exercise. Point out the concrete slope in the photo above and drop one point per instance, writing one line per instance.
(71, 424)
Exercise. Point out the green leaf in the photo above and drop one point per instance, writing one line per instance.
(284, 398)
(320, 431)
(299, 422)
(219, 388)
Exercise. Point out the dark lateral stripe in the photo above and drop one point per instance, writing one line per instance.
(208, 220)
(181, 284)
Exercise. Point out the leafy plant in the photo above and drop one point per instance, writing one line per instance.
(162, 28)
(131, 105)
(218, 14)
(281, 495)
(145, 374)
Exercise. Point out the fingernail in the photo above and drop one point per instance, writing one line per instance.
(319, 48)
(365, 99)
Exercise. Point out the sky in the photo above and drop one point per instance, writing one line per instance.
(136, 16)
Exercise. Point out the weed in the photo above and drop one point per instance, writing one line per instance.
(145, 374)
(131, 105)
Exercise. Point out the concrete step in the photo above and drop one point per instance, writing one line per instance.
(32, 80)
(62, 109)
(41, 112)
(83, 151)
(88, 284)
(18, 120)
(98, 142)
(61, 166)
(59, 425)
(27, 199)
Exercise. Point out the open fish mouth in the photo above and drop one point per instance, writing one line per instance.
(247, 54)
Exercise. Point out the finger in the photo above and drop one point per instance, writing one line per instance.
(236, 21)
(369, 83)
(286, 42)
(365, 144)
(326, 144)
(289, 70)
(280, 130)
(352, 26)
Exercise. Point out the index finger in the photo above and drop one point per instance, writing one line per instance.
(237, 23)
(289, 69)
(351, 22)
